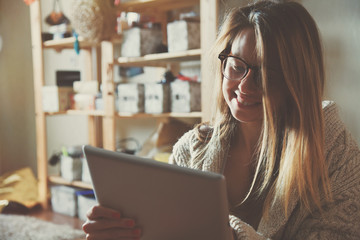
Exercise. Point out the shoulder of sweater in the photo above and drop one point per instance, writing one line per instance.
(340, 147)
(191, 144)
(195, 136)
(186, 139)
(332, 123)
(181, 152)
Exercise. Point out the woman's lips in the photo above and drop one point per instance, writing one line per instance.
(247, 101)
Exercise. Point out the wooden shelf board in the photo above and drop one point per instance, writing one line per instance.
(61, 181)
(66, 43)
(155, 5)
(127, 115)
(186, 115)
(160, 59)
(86, 112)
(77, 112)
(161, 115)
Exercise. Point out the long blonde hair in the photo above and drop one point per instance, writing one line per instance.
(291, 148)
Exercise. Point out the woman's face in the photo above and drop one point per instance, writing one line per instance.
(244, 97)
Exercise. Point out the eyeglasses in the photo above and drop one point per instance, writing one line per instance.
(235, 68)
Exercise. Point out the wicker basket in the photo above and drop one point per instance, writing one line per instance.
(94, 20)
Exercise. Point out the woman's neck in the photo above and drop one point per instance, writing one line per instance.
(248, 134)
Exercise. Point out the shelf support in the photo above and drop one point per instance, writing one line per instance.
(38, 76)
(209, 25)
(92, 62)
(108, 93)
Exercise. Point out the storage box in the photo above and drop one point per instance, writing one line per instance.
(55, 99)
(131, 97)
(71, 168)
(183, 35)
(64, 200)
(139, 42)
(86, 87)
(185, 96)
(157, 97)
(84, 101)
(67, 78)
(99, 103)
(85, 200)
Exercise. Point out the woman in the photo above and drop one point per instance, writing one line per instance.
(292, 169)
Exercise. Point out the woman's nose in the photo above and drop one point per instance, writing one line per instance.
(249, 84)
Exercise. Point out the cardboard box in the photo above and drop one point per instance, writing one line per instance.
(70, 168)
(55, 99)
(139, 42)
(157, 97)
(183, 35)
(85, 200)
(185, 96)
(64, 200)
(131, 97)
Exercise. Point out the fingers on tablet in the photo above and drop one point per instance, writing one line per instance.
(102, 212)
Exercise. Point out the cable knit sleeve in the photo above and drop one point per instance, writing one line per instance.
(244, 231)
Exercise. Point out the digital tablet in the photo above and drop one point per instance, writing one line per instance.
(168, 202)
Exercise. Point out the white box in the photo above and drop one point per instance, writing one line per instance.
(64, 200)
(157, 97)
(99, 103)
(131, 97)
(71, 168)
(139, 42)
(85, 200)
(84, 101)
(86, 87)
(185, 96)
(55, 99)
(183, 35)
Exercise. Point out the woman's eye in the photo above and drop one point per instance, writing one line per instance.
(240, 69)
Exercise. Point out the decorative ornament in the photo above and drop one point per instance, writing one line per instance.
(94, 20)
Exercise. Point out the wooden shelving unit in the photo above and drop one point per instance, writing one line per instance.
(102, 129)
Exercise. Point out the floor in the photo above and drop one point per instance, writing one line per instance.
(57, 218)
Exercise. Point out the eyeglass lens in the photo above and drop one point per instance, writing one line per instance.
(234, 69)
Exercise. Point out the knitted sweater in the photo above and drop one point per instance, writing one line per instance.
(340, 219)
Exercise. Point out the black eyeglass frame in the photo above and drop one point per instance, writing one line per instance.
(224, 55)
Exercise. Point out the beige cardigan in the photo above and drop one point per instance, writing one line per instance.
(340, 219)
